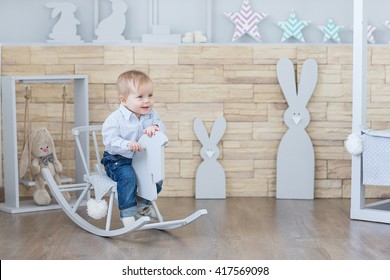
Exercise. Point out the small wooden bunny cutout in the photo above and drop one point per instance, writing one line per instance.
(210, 176)
(112, 27)
(295, 160)
(65, 30)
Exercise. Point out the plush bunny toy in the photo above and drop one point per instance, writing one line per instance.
(210, 176)
(40, 150)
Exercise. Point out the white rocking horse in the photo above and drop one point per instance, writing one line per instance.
(149, 168)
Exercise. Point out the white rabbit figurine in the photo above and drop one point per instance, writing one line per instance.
(295, 160)
(210, 176)
(112, 27)
(65, 30)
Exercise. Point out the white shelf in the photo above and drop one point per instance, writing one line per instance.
(28, 206)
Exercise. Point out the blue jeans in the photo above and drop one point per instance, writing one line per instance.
(120, 169)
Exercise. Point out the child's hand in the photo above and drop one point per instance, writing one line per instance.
(151, 130)
(135, 146)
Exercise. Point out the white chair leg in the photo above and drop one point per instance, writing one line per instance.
(109, 213)
(159, 216)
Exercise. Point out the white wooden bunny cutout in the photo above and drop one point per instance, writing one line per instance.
(295, 160)
(210, 176)
(112, 27)
(65, 30)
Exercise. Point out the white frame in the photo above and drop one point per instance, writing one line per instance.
(12, 202)
(374, 212)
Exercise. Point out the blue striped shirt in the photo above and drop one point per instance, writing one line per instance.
(122, 126)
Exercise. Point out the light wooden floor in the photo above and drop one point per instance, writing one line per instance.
(235, 228)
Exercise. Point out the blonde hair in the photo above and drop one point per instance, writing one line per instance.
(130, 81)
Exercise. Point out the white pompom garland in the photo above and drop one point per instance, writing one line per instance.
(354, 144)
(97, 209)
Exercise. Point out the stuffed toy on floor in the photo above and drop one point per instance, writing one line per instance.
(39, 152)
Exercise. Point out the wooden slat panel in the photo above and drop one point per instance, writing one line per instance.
(235, 81)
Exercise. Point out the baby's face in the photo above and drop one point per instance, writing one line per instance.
(141, 101)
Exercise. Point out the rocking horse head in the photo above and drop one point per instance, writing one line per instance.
(148, 164)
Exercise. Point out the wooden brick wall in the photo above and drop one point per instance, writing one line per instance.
(207, 81)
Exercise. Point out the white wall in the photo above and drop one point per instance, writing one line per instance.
(29, 21)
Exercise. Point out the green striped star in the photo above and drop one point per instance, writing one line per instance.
(331, 31)
(293, 27)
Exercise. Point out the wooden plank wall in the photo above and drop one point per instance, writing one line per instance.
(207, 81)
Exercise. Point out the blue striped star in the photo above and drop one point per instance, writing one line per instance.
(331, 31)
(293, 27)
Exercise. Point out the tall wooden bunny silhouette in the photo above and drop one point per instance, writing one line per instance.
(210, 176)
(295, 160)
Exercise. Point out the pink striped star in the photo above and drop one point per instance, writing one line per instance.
(370, 33)
(246, 22)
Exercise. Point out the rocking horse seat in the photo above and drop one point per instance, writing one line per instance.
(101, 184)
(376, 157)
